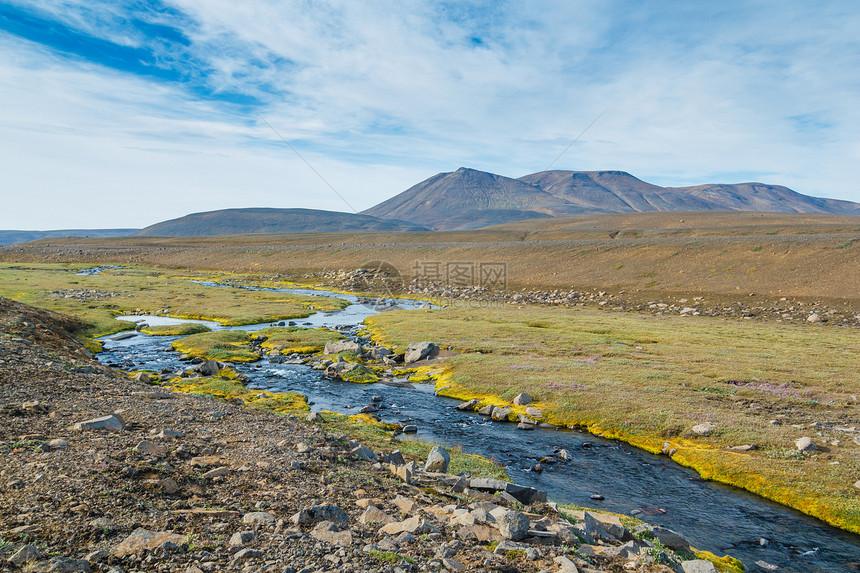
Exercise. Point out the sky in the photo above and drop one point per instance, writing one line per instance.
(126, 113)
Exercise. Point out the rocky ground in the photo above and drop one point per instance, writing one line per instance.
(104, 473)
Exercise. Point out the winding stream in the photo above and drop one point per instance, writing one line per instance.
(717, 518)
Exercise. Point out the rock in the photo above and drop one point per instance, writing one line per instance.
(167, 486)
(369, 409)
(170, 434)
(65, 565)
(669, 538)
(410, 429)
(241, 538)
(482, 533)
(379, 352)
(525, 426)
(394, 458)
(533, 412)
(314, 417)
(375, 515)
(525, 495)
(452, 564)
(110, 423)
(437, 460)
(247, 554)
(604, 525)
(329, 532)
(813, 318)
(320, 513)
(217, 472)
(27, 554)
(597, 497)
(698, 566)
(805, 444)
(744, 448)
(142, 377)
(522, 399)
(513, 525)
(419, 351)
(487, 484)
(363, 453)
(142, 539)
(97, 556)
(209, 368)
(703, 430)
(412, 525)
(857, 484)
(487, 410)
(338, 346)
(259, 518)
(58, 444)
(148, 448)
(500, 414)
(767, 566)
(565, 565)
(468, 406)
(405, 505)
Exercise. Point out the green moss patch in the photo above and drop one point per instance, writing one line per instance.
(184, 329)
(300, 340)
(221, 345)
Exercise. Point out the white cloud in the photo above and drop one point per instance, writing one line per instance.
(378, 96)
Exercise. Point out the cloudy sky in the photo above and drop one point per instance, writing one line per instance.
(125, 113)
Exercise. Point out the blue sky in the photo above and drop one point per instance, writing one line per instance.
(122, 114)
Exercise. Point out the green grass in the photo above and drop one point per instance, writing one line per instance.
(648, 379)
(300, 340)
(184, 329)
(389, 556)
(221, 345)
(226, 386)
(98, 299)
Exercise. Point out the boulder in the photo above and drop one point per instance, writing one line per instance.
(487, 410)
(246, 554)
(419, 351)
(805, 444)
(437, 460)
(405, 505)
(373, 514)
(513, 525)
(565, 565)
(26, 554)
(314, 417)
(217, 472)
(363, 453)
(241, 538)
(414, 525)
(703, 429)
(209, 368)
(318, 513)
(148, 448)
(669, 538)
(110, 423)
(65, 565)
(144, 540)
(259, 518)
(533, 412)
(468, 406)
(522, 399)
(379, 352)
(500, 414)
(487, 484)
(605, 525)
(813, 318)
(525, 495)
(338, 346)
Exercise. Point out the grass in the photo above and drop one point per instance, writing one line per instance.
(226, 386)
(389, 556)
(647, 380)
(222, 345)
(98, 299)
(377, 436)
(300, 340)
(184, 329)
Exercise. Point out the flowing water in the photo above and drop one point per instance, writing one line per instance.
(717, 518)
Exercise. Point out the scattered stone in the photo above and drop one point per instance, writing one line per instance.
(170, 434)
(522, 399)
(605, 525)
(338, 346)
(148, 448)
(110, 423)
(209, 368)
(437, 460)
(452, 564)
(500, 414)
(363, 453)
(565, 565)
(375, 515)
(65, 565)
(513, 525)
(314, 417)
(241, 538)
(329, 532)
(813, 318)
(247, 554)
(217, 472)
(533, 412)
(744, 448)
(142, 539)
(468, 406)
(27, 554)
(805, 444)
(405, 505)
(58, 444)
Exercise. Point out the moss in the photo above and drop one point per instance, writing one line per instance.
(360, 375)
(299, 340)
(184, 329)
(221, 345)
(227, 386)
(725, 564)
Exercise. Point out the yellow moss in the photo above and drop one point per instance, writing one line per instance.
(226, 386)
(726, 564)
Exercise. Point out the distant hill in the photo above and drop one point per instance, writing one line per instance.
(470, 199)
(263, 220)
(16, 237)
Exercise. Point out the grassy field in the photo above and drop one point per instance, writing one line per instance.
(98, 298)
(184, 329)
(648, 380)
(221, 345)
(688, 254)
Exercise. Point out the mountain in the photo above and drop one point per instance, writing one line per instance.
(470, 199)
(467, 198)
(263, 220)
(15, 237)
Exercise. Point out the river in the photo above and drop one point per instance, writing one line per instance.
(717, 518)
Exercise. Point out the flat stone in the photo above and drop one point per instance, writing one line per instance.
(247, 554)
(513, 525)
(66, 565)
(605, 525)
(525, 426)
(144, 540)
(217, 472)
(375, 515)
(110, 423)
(170, 434)
(26, 554)
(405, 505)
(58, 444)
(329, 532)
(698, 566)
(412, 525)
(533, 412)
(501, 414)
(744, 448)
(148, 448)
(703, 430)
(259, 518)
(363, 453)
(487, 484)
(452, 564)
(241, 538)
(565, 565)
